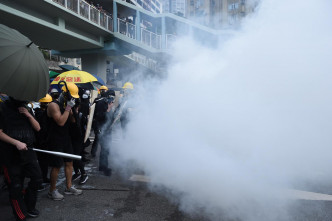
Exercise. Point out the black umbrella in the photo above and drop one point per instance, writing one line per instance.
(23, 70)
(67, 67)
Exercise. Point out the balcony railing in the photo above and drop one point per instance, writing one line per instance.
(151, 39)
(105, 20)
(127, 28)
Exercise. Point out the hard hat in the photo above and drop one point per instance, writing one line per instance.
(73, 89)
(103, 88)
(54, 90)
(46, 99)
(128, 85)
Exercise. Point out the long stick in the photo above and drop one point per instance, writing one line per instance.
(60, 154)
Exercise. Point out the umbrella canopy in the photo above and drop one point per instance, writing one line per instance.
(99, 79)
(80, 78)
(67, 67)
(24, 72)
(53, 74)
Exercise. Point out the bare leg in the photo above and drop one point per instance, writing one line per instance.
(54, 178)
(68, 173)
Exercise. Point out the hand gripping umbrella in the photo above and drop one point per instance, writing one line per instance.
(24, 72)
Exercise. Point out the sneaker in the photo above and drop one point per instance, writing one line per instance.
(73, 191)
(83, 179)
(55, 195)
(33, 213)
(41, 188)
(76, 176)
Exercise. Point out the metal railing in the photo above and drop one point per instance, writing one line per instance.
(105, 21)
(89, 12)
(151, 39)
(126, 28)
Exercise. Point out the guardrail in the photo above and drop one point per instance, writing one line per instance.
(89, 12)
(105, 21)
(151, 39)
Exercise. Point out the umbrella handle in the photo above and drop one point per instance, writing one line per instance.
(68, 92)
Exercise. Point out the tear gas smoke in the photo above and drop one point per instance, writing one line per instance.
(231, 127)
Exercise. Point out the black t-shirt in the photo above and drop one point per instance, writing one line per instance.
(58, 136)
(99, 117)
(17, 126)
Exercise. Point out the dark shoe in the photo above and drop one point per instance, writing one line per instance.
(76, 176)
(41, 187)
(83, 179)
(33, 213)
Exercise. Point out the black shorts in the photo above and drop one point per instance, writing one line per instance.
(56, 161)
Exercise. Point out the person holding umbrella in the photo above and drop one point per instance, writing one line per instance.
(59, 113)
(28, 71)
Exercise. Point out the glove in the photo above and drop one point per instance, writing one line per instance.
(70, 104)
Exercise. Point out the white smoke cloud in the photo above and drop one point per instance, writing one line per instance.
(232, 126)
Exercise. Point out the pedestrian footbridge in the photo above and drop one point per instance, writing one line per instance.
(75, 28)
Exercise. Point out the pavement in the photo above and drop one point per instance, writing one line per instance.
(104, 198)
(129, 198)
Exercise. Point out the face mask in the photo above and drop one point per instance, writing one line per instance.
(55, 95)
(85, 96)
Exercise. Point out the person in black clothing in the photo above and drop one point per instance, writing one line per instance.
(99, 115)
(59, 113)
(77, 137)
(41, 117)
(103, 115)
(84, 109)
(17, 133)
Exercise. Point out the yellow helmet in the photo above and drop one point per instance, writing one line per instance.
(46, 99)
(73, 89)
(128, 85)
(103, 88)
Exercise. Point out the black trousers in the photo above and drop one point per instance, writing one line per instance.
(95, 144)
(104, 152)
(23, 200)
(43, 160)
(78, 165)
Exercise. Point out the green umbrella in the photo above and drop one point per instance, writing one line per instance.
(23, 70)
(53, 74)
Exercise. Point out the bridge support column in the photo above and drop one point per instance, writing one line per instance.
(95, 64)
(115, 17)
(138, 25)
(61, 23)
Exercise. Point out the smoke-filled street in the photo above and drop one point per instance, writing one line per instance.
(220, 124)
(119, 198)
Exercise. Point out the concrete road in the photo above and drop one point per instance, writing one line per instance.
(118, 198)
(104, 198)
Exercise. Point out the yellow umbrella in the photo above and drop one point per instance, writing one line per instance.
(77, 77)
